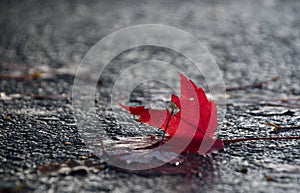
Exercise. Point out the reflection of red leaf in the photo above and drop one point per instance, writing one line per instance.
(195, 120)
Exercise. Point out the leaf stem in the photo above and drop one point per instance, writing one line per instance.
(227, 141)
(167, 124)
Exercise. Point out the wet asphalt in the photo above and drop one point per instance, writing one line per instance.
(41, 149)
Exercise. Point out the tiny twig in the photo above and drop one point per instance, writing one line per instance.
(9, 76)
(3, 96)
(50, 97)
(278, 127)
(255, 85)
(226, 141)
(25, 76)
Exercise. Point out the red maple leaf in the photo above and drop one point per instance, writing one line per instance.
(192, 127)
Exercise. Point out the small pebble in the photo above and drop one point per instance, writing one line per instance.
(243, 169)
(270, 178)
(72, 163)
(83, 157)
(152, 136)
(7, 117)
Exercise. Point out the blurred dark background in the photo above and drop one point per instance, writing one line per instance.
(250, 41)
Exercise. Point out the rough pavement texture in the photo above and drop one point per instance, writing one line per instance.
(250, 41)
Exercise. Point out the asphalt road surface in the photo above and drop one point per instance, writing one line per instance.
(43, 43)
